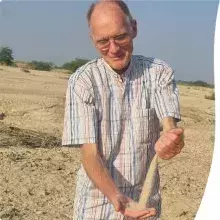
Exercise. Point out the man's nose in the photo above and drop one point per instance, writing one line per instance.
(113, 47)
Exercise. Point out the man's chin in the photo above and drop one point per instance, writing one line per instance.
(119, 64)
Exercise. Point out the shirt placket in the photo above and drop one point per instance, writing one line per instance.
(120, 80)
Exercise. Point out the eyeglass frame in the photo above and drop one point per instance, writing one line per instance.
(104, 43)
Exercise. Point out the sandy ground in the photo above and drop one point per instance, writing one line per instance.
(37, 175)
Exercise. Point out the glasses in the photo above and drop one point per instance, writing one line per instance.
(120, 40)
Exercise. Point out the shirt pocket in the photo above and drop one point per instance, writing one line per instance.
(143, 123)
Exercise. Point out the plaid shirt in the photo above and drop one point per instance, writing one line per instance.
(122, 115)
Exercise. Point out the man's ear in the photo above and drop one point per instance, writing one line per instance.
(134, 28)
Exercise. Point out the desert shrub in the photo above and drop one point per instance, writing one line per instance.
(211, 96)
(41, 65)
(24, 65)
(25, 70)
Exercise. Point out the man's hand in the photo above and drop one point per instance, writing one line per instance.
(121, 204)
(170, 143)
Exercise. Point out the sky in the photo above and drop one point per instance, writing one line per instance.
(179, 32)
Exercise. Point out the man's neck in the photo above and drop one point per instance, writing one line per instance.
(123, 70)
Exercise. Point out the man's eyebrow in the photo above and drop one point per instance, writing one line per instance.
(118, 35)
(103, 38)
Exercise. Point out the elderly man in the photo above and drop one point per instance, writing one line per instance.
(114, 106)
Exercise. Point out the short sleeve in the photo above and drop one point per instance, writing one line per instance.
(80, 120)
(166, 94)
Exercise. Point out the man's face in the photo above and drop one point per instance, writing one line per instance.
(112, 33)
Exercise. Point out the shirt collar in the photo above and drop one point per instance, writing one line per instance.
(116, 75)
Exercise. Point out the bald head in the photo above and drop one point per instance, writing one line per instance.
(103, 6)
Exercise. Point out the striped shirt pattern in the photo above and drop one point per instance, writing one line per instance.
(122, 115)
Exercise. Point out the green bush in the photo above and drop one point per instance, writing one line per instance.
(41, 65)
(6, 56)
(75, 64)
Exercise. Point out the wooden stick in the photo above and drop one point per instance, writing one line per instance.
(147, 187)
(148, 183)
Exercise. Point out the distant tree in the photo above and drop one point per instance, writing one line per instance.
(201, 83)
(75, 64)
(6, 56)
(195, 83)
(41, 65)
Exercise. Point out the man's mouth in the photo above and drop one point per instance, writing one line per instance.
(118, 57)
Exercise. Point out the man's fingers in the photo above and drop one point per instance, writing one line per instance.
(151, 213)
(170, 143)
(161, 151)
(140, 214)
(120, 203)
(118, 207)
(167, 144)
(168, 151)
(167, 156)
(136, 214)
(177, 131)
(173, 137)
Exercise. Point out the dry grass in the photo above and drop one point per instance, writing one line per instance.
(25, 70)
(211, 96)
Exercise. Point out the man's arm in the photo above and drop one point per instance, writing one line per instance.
(97, 172)
(166, 98)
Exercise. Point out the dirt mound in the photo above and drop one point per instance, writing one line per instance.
(14, 136)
